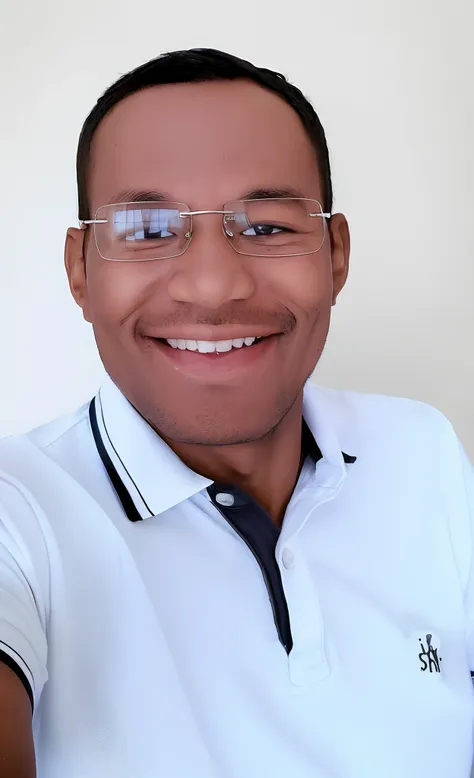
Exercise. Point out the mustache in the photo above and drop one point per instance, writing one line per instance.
(281, 321)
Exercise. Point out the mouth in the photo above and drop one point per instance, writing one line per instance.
(216, 359)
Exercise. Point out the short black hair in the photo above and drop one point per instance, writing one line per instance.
(198, 65)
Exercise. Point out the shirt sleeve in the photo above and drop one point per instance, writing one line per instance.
(23, 583)
(464, 502)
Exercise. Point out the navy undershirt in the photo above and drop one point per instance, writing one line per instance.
(260, 533)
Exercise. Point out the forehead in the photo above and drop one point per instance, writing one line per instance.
(201, 143)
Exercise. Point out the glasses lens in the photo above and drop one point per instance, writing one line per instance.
(142, 231)
(275, 227)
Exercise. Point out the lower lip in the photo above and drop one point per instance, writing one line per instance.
(217, 365)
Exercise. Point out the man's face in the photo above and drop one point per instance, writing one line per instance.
(205, 145)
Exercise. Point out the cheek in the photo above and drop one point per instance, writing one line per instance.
(116, 290)
(305, 285)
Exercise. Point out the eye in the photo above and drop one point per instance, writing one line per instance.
(144, 232)
(263, 229)
(151, 233)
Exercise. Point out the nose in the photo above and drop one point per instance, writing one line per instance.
(210, 273)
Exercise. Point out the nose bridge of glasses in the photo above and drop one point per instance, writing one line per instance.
(227, 216)
(184, 214)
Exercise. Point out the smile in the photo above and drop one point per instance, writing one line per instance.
(218, 360)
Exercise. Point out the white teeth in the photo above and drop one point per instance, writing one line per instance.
(209, 346)
(223, 345)
(206, 346)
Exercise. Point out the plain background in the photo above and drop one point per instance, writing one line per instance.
(392, 82)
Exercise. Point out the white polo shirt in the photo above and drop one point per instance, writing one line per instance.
(166, 629)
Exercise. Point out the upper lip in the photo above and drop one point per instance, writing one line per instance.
(215, 334)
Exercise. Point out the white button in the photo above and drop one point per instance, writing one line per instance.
(288, 558)
(224, 499)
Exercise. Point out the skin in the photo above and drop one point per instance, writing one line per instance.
(17, 756)
(204, 145)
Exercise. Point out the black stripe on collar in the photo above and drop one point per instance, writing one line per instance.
(348, 459)
(119, 486)
(309, 447)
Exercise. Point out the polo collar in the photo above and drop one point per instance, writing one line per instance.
(149, 478)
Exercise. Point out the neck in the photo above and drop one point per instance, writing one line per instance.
(265, 469)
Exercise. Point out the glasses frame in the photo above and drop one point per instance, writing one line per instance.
(226, 218)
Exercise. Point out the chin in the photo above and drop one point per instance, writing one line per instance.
(227, 426)
(210, 432)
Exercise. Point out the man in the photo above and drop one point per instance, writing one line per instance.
(215, 569)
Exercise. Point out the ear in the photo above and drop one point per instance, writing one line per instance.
(340, 252)
(75, 262)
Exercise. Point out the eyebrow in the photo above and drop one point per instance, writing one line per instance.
(142, 196)
(138, 196)
(267, 193)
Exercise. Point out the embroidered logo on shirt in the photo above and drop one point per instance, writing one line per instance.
(428, 656)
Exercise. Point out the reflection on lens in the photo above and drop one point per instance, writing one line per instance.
(142, 232)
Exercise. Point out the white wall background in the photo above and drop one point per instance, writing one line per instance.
(392, 82)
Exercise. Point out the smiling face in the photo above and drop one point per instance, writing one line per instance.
(206, 144)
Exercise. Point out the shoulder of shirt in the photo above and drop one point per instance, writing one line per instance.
(22, 454)
(45, 436)
(28, 475)
(358, 417)
(50, 433)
